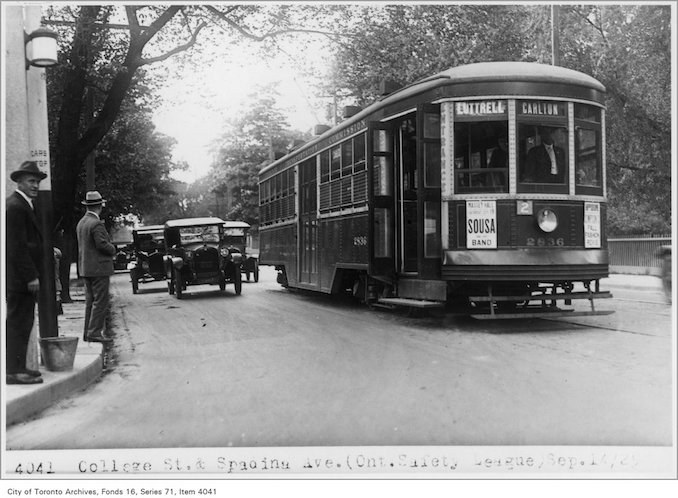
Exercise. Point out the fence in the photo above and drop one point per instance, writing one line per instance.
(636, 255)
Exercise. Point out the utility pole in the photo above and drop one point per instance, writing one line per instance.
(555, 35)
(90, 171)
(38, 140)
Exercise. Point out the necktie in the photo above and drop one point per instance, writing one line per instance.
(554, 165)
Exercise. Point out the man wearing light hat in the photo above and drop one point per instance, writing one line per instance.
(24, 250)
(95, 261)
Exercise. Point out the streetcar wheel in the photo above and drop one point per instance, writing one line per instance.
(178, 284)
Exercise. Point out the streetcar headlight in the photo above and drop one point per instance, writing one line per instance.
(547, 220)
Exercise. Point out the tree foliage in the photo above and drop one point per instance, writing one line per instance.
(248, 144)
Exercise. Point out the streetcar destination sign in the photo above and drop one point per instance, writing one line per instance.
(541, 108)
(480, 108)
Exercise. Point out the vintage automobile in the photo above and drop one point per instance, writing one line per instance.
(235, 235)
(196, 254)
(147, 264)
(123, 255)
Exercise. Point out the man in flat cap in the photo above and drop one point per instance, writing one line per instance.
(24, 250)
(95, 260)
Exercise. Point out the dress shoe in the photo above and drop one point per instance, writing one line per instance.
(32, 373)
(99, 338)
(22, 378)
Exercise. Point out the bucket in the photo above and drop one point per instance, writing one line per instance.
(58, 353)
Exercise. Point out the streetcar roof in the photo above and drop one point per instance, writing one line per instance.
(189, 222)
(507, 71)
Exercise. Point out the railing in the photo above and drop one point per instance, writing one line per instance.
(636, 255)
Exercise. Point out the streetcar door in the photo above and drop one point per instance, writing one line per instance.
(308, 222)
(380, 163)
(407, 194)
(429, 195)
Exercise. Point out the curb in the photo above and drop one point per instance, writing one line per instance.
(85, 371)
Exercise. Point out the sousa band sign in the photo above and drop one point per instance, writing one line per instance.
(481, 224)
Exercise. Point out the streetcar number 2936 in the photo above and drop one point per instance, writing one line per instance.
(545, 241)
(360, 240)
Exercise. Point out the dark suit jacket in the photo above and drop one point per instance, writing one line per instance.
(538, 165)
(24, 244)
(95, 251)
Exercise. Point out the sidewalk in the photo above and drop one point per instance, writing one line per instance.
(23, 402)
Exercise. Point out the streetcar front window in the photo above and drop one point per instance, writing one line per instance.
(481, 157)
(543, 156)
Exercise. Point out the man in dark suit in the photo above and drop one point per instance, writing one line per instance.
(95, 260)
(546, 163)
(24, 250)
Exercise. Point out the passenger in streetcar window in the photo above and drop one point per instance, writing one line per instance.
(546, 163)
(499, 159)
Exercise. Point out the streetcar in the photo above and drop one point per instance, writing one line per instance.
(482, 186)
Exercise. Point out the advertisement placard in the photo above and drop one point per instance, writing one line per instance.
(481, 224)
(591, 225)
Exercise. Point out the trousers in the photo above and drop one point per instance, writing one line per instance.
(96, 305)
(20, 318)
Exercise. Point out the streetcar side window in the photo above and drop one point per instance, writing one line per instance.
(343, 175)
(481, 157)
(588, 158)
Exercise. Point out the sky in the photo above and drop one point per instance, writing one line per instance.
(197, 103)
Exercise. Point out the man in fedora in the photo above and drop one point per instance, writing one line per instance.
(95, 260)
(24, 250)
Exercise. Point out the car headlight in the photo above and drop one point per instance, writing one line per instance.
(547, 220)
(224, 251)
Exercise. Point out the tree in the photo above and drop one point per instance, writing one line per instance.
(627, 48)
(101, 62)
(250, 143)
(404, 43)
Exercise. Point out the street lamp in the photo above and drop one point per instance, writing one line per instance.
(43, 48)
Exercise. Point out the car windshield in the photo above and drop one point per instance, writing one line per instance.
(190, 235)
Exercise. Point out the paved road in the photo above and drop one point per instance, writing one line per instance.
(278, 368)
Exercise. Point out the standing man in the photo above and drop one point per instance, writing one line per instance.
(24, 250)
(546, 163)
(95, 260)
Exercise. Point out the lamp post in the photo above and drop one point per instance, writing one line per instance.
(41, 52)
